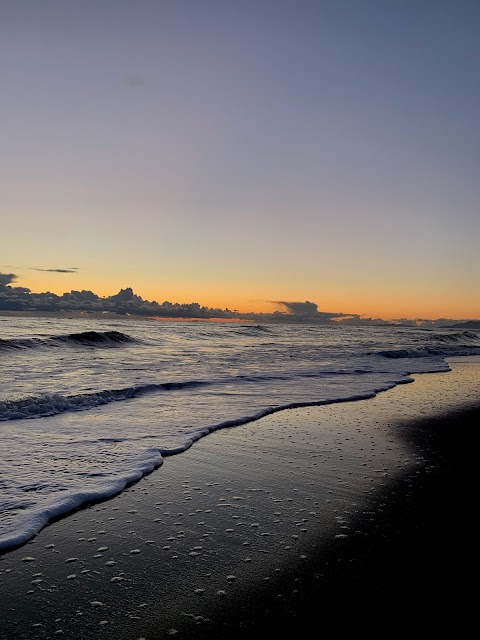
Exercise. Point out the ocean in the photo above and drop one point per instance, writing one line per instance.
(88, 406)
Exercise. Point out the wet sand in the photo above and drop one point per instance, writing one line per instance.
(355, 517)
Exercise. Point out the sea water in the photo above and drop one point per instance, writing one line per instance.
(88, 406)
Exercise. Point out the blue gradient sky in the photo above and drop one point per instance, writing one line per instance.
(235, 153)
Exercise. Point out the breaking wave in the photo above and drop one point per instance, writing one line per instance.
(50, 405)
(442, 345)
(457, 337)
(436, 352)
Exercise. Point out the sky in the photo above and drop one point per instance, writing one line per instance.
(235, 153)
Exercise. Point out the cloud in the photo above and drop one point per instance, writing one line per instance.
(126, 302)
(306, 309)
(7, 278)
(136, 80)
(299, 308)
(57, 270)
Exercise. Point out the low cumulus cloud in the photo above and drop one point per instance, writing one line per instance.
(299, 308)
(126, 302)
(307, 310)
(7, 278)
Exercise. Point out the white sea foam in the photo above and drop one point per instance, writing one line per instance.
(105, 417)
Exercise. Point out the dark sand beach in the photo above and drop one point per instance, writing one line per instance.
(347, 518)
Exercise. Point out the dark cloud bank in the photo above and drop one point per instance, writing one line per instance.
(125, 302)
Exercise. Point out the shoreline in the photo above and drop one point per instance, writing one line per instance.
(305, 514)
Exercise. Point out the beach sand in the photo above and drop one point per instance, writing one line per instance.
(347, 518)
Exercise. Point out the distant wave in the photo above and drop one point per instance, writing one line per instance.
(253, 329)
(457, 337)
(86, 338)
(441, 345)
(420, 352)
(96, 337)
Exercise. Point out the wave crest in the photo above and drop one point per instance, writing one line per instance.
(434, 352)
(50, 405)
(85, 338)
(456, 337)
